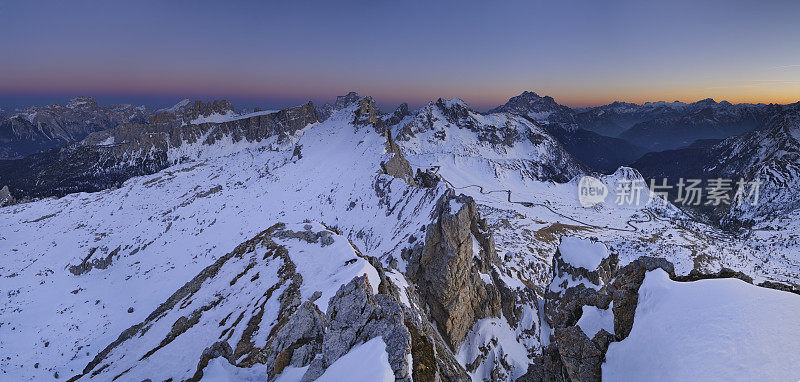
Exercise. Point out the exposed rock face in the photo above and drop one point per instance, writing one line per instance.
(5, 197)
(52, 126)
(563, 304)
(397, 166)
(447, 271)
(427, 178)
(626, 290)
(355, 316)
(108, 158)
(342, 102)
(297, 342)
(398, 115)
(565, 309)
(187, 112)
(366, 113)
(216, 350)
(581, 357)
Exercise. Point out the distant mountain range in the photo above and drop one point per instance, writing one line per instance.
(53, 126)
(95, 147)
(658, 126)
(109, 157)
(769, 155)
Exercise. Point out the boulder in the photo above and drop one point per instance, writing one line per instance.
(5, 197)
(581, 357)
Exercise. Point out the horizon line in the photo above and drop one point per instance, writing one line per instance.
(139, 99)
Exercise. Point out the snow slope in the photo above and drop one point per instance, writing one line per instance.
(366, 362)
(717, 329)
(582, 253)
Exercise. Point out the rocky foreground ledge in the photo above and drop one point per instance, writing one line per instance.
(593, 303)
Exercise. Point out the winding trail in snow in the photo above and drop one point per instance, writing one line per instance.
(529, 204)
(651, 216)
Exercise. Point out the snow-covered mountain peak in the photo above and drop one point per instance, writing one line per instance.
(453, 103)
(529, 102)
(82, 102)
(627, 173)
(443, 129)
(543, 110)
(342, 102)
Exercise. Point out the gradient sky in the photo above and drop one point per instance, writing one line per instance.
(283, 53)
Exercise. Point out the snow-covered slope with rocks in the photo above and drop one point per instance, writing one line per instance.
(107, 158)
(143, 241)
(449, 128)
(427, 244)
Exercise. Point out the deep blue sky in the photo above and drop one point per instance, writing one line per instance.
(283, 53)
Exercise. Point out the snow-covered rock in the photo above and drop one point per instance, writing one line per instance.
(719, 329)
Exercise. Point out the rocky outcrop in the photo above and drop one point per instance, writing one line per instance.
(399, 114)
(216, 350)
(186, 112)
(355, 316)
(572, 355)
(427, 178)
(446, 269)
(366, 113)
(397, 166)
(564, 303)
(297, 342)
(625, 290)
(565, 309)
(341, 102)
(581, 357)
(5, 197)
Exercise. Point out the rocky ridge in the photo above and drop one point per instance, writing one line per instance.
(107, 158)
(573, 355)
(46, 127)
